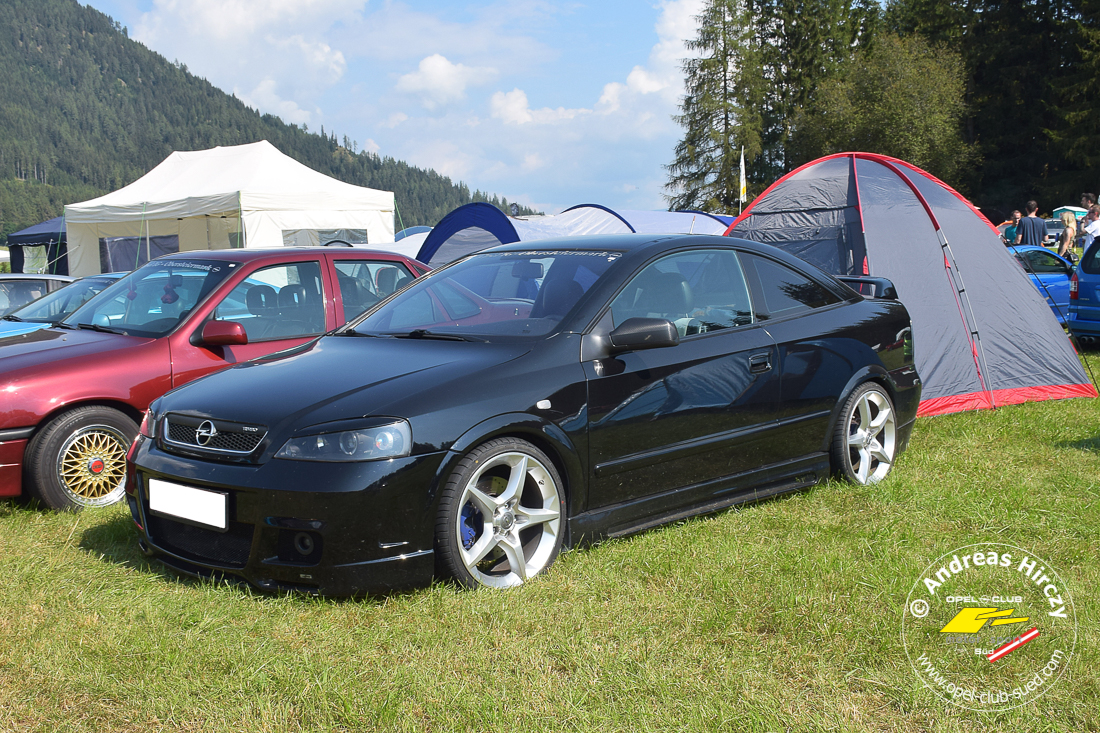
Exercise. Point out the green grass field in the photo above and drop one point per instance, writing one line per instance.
(780, 616)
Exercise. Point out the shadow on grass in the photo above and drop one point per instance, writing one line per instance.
(116, 541)
(1091, 445)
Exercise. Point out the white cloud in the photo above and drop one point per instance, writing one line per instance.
(275, 50)
(439, 82)
(512, 108)
(532, 162)
(395, 119)
(266, 97)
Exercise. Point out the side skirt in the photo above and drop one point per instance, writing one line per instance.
(638, 515)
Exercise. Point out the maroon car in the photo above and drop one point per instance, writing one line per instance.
(73, 394)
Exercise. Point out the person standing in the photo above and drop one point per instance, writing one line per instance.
(1031, 229)
(1092, 225)
(1069, 233)
(1010, 230)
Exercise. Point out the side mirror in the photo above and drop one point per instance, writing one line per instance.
(223, 333)
(636, 334)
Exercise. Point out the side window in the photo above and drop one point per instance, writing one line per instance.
(358, 290)
(1043, 262)
(389, 277)
(699, 291)
(277, 302)
(784, 291)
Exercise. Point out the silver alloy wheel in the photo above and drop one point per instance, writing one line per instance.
(91, 465)
(510, 512)
(872, 437)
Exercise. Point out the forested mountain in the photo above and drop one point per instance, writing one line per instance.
(85, 110)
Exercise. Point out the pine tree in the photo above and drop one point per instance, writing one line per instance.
(759, 65)
(716, 112)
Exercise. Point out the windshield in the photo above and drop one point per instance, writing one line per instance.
(492, 294)
(153, 299)
(60, 303)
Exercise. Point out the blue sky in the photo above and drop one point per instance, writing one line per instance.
(550, 104)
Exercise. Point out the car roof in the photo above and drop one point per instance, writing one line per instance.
(643, 246)
(259, 253)
(1033, 247)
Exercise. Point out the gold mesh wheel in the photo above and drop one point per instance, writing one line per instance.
(91, 466)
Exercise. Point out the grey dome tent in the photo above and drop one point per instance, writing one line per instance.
(983, 335)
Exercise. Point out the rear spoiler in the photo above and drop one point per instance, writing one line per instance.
(878, 288)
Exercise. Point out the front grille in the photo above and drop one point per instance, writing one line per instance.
(228, 549)
(220, 436)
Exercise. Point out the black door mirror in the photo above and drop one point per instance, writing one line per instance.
(643, 333)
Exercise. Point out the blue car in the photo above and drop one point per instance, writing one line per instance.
(1084, 304)
(1050, 274)
(56, 306)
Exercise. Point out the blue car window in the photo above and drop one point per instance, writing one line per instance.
(699, 291)
(496, 293)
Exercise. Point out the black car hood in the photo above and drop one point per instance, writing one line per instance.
(335, 378)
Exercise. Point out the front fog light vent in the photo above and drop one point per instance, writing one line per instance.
(297, 547)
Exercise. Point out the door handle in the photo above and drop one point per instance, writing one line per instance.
(760, 363)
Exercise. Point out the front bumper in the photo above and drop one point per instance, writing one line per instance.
(334, 529)
(11, 466)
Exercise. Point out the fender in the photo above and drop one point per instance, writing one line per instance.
(544, 434)
(869, 373)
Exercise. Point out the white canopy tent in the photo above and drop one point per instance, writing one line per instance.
(240, 196)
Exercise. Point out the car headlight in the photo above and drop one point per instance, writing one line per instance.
(366, 444)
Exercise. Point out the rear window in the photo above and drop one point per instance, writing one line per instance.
(1090, 263)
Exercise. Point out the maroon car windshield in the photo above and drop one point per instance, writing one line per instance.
(153, 299)
(492, 294)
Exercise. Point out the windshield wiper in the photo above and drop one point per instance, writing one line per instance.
(353, 332)
(62, 324)
(10, 317)
(421, 333)
(101, 329)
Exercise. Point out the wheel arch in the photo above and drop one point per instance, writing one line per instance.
(124, 407)
(870, 373)
(540, 432)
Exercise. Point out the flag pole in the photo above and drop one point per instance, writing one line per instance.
(741, 197)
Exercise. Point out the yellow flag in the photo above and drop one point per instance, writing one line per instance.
(743, 184)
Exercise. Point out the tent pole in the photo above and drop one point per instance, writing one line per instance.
(137, 255)
(971, 322)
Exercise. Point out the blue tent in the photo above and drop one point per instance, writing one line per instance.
(479, 225)
(49, 234)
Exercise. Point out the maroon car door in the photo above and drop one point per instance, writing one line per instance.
(279, 305)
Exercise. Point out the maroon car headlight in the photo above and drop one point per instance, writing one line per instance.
(393, 440)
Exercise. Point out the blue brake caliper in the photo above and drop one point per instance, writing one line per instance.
(472, 523)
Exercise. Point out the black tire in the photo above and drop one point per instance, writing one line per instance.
(865, 438)
(78, 459)
(519, 486)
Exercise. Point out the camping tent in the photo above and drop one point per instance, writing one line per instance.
(983, 335)
(50, 237)
(478, 225)
(241, 196)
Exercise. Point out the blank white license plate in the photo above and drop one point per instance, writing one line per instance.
(185, 502)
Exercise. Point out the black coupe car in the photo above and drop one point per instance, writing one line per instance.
(520, 400)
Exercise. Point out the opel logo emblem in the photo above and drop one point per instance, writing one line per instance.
(205, 432)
